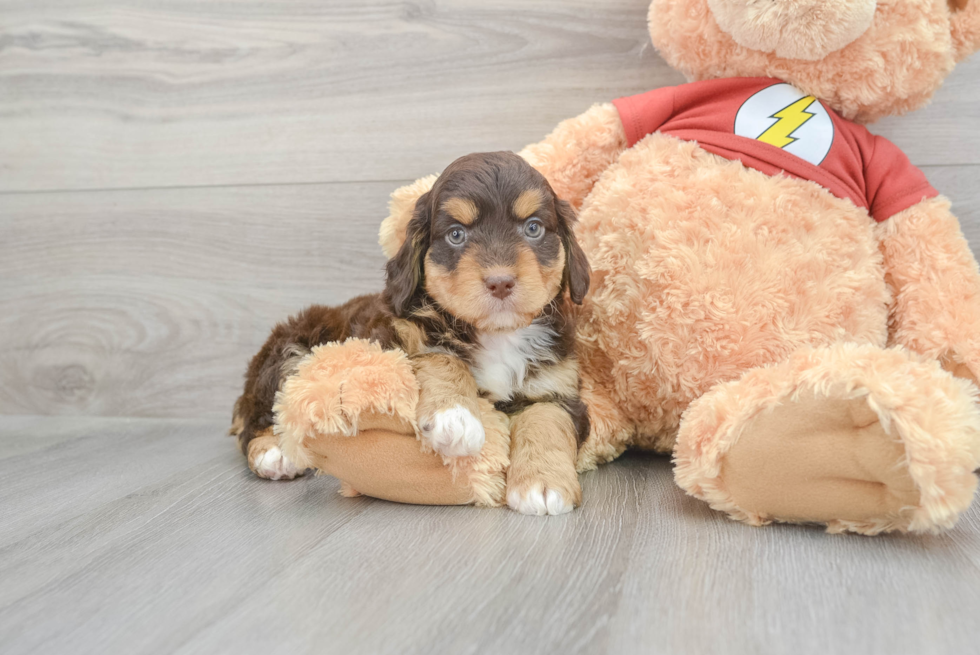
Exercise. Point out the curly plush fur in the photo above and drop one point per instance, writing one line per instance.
(894, 67)
(932, 414)
(358, 388)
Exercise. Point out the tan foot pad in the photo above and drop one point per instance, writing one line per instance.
(957, 368)
(820, 459)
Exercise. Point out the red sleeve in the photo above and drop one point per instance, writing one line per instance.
(644, 114)
(893, 183)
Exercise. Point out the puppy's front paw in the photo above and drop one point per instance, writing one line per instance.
(454, 432)
(268, 462)
(537, 500)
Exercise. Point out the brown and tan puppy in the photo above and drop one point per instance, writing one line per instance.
(476, 296)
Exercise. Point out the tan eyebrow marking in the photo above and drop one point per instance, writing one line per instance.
(528, 202)
(462, 209)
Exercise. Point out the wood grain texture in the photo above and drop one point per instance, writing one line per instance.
(960, 185)
(150, 303)
(114, 94)
(150, 552)
(169, 93)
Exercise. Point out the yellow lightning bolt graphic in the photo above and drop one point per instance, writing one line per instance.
(791, 118)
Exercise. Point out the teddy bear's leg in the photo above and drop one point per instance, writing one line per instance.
(350, 411)
(853, 436)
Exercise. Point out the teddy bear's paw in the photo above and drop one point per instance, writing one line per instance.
(859, 438)
(837, 460)
(267, 460)
(454, 432)
(954, 364)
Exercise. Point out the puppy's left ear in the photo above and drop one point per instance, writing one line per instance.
(577, 270)
(401, 208)
(405, 271)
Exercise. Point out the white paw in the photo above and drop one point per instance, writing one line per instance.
(454, 432)
(538, 502)
(273, 465)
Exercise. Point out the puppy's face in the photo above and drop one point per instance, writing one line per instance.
(493, 243)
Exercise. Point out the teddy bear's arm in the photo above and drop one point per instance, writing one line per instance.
(576, 153)
(936, 285)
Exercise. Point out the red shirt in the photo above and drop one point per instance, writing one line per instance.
(772, 127)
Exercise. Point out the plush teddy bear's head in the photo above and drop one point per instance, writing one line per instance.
(865, 58)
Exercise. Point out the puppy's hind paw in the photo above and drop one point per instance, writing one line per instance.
(267, 461)
(454, 432)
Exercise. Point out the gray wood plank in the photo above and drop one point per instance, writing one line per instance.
(23, 435)
(101, 558)
(151, 303)
(960, 185)
(203, 558)
(323, 234)
(808, 592)
(640, 569)
(941, 134)
(168, 93)
(106, 459)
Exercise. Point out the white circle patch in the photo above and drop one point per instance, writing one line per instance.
(783, 116)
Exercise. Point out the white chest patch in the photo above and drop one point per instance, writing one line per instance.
(501, 363)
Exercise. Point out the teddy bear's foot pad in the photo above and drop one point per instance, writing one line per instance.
(819, 459)
(861, 438)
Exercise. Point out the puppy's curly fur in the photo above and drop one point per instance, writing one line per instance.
(476, 296)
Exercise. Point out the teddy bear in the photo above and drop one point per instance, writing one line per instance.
(780, 300)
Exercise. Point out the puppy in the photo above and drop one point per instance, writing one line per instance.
(478, 298)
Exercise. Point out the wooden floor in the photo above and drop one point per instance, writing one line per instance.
(148, 536)
(176, 176)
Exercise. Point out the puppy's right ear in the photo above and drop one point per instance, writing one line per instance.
(404, 273)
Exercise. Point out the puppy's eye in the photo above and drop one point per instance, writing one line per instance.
(456, 236)
(533, 229)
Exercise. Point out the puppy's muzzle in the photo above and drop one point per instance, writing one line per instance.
(500, 286)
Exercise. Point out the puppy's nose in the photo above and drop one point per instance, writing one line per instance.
(500, 286)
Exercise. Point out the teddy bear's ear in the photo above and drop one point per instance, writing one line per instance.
(964, 18)
(391, 236)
